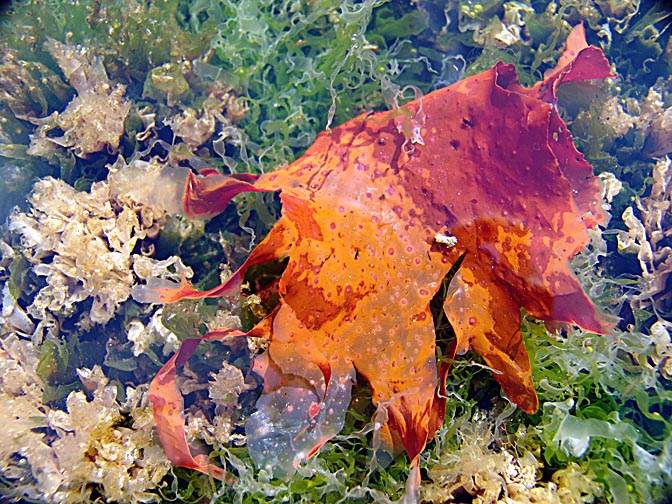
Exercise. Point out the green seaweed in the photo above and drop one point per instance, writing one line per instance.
(301, 65)
(58, 364)
(603, 411)
(20, 282)
(166, 82)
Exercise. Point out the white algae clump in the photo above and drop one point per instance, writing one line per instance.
(94, 448)
(58, 456)
(87, 246)
(142, 336)
(649, 116)
(646, 236)
(82, 243)
(94, 119)
(25, 455)
(483, 470)
(221, 106)
(497, 31)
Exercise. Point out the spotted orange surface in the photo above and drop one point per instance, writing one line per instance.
(374, 215)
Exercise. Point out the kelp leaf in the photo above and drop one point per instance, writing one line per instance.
(372, 221)
(168, 404)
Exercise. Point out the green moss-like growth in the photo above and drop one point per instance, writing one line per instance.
(603, 411)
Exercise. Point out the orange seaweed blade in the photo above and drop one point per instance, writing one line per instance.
(167, 402)
(364, 211)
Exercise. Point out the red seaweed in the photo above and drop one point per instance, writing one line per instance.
(372, 221)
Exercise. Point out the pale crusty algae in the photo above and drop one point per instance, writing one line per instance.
(89, 238)
(93, 246)
(61, 456)
(647, 237)
(486, 471)
(94, 119)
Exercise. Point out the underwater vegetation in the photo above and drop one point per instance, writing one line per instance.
(526, 358)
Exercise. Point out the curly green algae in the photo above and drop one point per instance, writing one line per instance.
(603, 432)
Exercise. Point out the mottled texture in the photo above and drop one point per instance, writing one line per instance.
(366, 215)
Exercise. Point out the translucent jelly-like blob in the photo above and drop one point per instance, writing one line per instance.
(292, 423)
